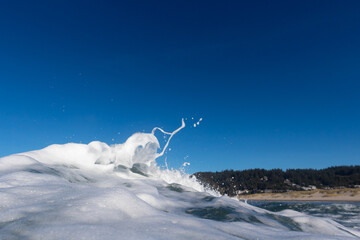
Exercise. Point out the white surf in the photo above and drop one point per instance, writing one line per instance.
(96, 191)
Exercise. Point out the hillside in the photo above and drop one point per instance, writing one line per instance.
(232, 182)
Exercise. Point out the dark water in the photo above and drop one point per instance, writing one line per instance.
(345, 213)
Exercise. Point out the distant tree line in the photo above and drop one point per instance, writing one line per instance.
(232, 182)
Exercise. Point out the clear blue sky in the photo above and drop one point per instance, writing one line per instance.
(277, 83)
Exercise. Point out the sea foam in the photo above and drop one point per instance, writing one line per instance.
(97, 191)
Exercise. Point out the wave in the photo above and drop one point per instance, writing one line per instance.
(97, 191)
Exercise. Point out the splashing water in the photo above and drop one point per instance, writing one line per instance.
(96, 191)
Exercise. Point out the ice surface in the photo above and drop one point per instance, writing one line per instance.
(96, 191)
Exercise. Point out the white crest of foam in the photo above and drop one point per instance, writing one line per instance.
(97, 191)
(139, 150)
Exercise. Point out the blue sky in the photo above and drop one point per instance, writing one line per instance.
(276, 82)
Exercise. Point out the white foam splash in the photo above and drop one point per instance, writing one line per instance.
(197, 123)
(97, 191)
(171, 135)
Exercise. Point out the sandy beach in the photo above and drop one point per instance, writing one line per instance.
(343, 195)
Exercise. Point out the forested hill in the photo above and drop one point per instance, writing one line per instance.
(232, 182)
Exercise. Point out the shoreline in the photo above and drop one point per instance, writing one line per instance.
(301, 200)
(320, 195)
